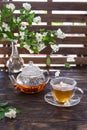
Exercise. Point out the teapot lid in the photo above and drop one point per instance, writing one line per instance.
(31, 70)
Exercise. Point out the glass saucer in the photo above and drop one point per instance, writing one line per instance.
(72, 102)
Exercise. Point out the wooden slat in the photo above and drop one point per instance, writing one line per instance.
(63, 18)
(72, 40)
(64, 50)
(68, 29)
(56, 60)
(52, 5)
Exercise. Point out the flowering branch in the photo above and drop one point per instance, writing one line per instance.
(16, 29)
(9, 111)
(9, 23)
(33, 41)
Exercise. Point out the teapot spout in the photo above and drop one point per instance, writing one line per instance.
(13, 80)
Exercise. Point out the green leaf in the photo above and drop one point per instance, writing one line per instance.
(67, 65)
(48, 61)
(21, 11)
(22, 44)
(6, 13)
(2, 104)
(2, 115)
(30, 18)
(18, 111)
(7, 109)
(1, 109)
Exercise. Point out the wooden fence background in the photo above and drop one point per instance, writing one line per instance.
(71, 17)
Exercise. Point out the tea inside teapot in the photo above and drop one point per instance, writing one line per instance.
(31, 79)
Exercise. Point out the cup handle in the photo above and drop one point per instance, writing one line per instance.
(78, 92)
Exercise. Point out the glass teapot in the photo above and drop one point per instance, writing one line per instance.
(31, 79)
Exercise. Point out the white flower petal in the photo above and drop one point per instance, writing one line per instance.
(41, 46)
(57, 73)
(37, 19)
(27, 6)
(28, 48)
(44, 34)
(18, 19)
(16, 34)
(23, 27)
(70, 59)
(5, 35)
(11, 114)
(60, 34)
(22, 35)
(39, 37)
(6, 27)
(54, 47)
(10, 6)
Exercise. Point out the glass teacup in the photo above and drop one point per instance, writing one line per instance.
(63, 89)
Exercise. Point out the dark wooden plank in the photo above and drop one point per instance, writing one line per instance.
(62, 50)
(65, 28)
(68, 29)
(52, 5)
(54, 60)
(69, 40)
(64, 17)
(67, 50)
(57, 60)
(73, 40)
(61, 17)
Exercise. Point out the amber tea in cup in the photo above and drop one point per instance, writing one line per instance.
(63, 88)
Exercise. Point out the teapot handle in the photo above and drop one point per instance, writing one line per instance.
(47, 76)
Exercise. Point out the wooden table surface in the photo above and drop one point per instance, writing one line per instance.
(39, 115)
